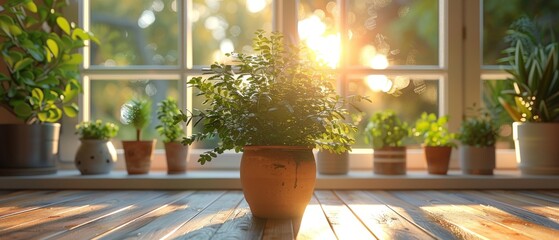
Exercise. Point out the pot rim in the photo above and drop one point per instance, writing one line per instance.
(286, 147)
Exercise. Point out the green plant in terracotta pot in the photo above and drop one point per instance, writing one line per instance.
(96, 153)
(478, 135)
(386, 132)
(39, 81)
(172, 132)
(275, 106)
(533, 100)
(438, 141)
(137, 154)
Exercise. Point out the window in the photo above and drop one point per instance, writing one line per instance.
(408, 55)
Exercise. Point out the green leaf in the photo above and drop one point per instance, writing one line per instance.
(69, 93)
(80, 34)
(22, 109)
(63, 24)
(71, 110)
(38, 93)
(53, 47)
(48, 55)
(30, 5)
(22, 64)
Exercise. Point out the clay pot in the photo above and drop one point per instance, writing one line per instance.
(389, 161)
(278, 181)
(438, 159)
(332, 163)
(176, 155)
(138, 155)
(477, 160)
(95, 156)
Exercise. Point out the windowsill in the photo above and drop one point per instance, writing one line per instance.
(71, 179)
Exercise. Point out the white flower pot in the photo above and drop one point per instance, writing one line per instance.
(477, 160)
(537, 147)
(95, 156)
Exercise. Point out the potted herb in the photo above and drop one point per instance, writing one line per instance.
(172, 132)
(137, 154)
(437, 141)
(275, 107)
(534, 105)
(385, 131)
(96, 153)
(38, 82)
(478, 136)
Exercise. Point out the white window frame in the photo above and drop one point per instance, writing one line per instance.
(459, 31)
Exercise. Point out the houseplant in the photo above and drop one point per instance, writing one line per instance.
(172, 132)
(275, 106)
(385, 131)
(437, 141)
(534, 105)
(96, 153)
(478, 135)
(38, 82)
(137, 154)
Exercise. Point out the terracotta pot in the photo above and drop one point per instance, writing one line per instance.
(537, 147)
(29, 149)
(138, 155)
(95, 156)
(176, 155)
(278, 181)
(332, 163)
(389, 160)
(438, 159)
(477, 160)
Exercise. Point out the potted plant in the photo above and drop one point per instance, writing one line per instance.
(96, 153)
(275, 107)
(385, 131)
(172, 132)
(534, 105)
(478, 136)
(38, 83)
(437, 141)
(137, 154)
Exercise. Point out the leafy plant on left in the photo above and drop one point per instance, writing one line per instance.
(96, 130)
(39, 72)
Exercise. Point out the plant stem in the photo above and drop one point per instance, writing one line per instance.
(138, 134)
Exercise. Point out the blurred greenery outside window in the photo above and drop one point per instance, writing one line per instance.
(170, 40)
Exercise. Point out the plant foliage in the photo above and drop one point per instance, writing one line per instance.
(96, 130)
(279, 96)
(167, 112)
(385, 129)
(137, 112)
(40, 76)
(433, 130)
(535, 74)
(479, 130)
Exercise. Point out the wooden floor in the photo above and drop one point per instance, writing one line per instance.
(330, 215)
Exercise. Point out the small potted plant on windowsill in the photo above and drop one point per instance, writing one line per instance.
(385, 131)
(275, 106)
(39, 81)
(172, 132)
(437, 141)
(96, 153)
(478, 136)
(138, 154)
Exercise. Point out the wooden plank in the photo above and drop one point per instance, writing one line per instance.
(241, 225)
(551, 199)
(529, 211)
(11, 195)
(314, 224)
(413, 214)
(209, 220)
(457, 218)
(495, 215)
(36, 201)
(380, 219)
(122, 215)
(75, 213)
(160, 223)
(278, 229)
(343, 221)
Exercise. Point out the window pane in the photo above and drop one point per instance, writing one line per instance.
(491, 92)
(404, 32)
(138, 32)
(414, 96)
(108, 96)
(317, 28)
(220, 27)
(498, 15)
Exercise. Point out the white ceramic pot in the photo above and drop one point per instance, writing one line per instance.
(537, 147)
(95, 156)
